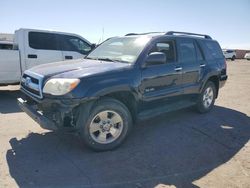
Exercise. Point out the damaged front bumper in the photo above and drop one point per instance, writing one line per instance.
(36, 116)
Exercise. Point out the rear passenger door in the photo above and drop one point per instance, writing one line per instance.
(41, 48)
(190, 65)
(73, 47)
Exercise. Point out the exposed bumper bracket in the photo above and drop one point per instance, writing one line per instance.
(37, 117)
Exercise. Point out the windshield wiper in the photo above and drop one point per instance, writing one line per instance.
(101, 59)
(121, 61)
(90, 58)
(106, 59)
(112, 60)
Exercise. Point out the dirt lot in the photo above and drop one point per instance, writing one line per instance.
(178, 149)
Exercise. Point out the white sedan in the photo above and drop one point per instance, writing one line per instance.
(229, 54)
(247, 56)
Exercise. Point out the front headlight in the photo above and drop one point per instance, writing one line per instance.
(60, 86)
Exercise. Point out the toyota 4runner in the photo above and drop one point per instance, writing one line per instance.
(126, 78)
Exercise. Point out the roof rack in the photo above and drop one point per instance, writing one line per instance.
(186, 33)
(130, 34)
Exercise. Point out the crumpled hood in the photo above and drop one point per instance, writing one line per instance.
(77, 68)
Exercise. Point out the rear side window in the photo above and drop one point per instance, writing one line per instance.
(212, 50)
(199, 53)
(72, 43)
(43, 41)
(187, 51)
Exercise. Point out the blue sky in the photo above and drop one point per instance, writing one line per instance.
(226, 21)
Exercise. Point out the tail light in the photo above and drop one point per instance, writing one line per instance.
(224, 68)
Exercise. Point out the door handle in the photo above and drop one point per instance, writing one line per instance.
(202, 65)
(178, 69)
(68, 57)
(32, 56)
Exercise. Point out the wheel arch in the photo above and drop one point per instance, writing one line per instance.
(215, 80)
(125, 97)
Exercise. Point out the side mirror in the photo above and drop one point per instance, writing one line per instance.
(156, 58)
(93, 46)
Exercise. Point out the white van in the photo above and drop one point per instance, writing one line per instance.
(34, 47)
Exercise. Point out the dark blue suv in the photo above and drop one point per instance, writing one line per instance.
(124, 79)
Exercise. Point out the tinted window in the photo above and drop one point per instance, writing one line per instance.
(71, 43)
(187, 51)
(6, 46)
(199, 54)
(43, 41)
(165, 47)
(212, 50)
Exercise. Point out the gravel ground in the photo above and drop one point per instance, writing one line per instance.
(178, 149)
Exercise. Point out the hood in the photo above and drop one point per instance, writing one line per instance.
(77, 68)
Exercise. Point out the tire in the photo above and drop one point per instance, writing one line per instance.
(233, 58)
(206, 99)
(107, 125)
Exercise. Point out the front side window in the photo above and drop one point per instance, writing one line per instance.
(43, 41)
(122, 49)
(165, 47)
(72, 43)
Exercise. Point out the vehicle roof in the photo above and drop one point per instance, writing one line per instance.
(54, 32)
(6, 42)
(228, 49)
(46, 31)
(171, 35)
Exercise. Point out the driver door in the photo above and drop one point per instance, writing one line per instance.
(161, 82)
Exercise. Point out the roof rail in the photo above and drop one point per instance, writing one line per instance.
(130, 34)
(186, 33)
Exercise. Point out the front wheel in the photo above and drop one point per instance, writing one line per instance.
(233, 58)
(107, 126)
(207, 98)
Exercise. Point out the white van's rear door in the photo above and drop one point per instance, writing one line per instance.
(41, 48)
(10, 71)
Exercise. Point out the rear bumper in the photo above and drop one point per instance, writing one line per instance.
(36, 116)
(223, 79)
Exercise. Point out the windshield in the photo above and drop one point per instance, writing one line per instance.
(122, 49)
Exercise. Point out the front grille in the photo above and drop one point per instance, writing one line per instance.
(31, 83)
(34, 80)
(30, 89)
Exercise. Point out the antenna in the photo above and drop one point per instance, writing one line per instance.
(102, 33)
(102, 36)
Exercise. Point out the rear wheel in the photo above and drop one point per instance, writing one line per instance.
(207, 98)
(107, 126)
(233, 58)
